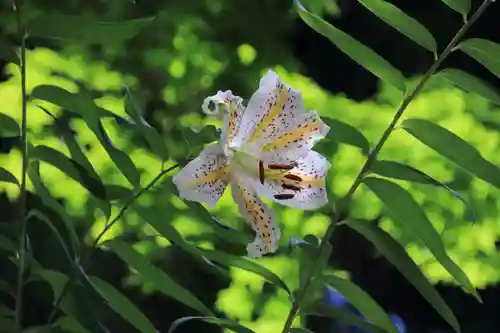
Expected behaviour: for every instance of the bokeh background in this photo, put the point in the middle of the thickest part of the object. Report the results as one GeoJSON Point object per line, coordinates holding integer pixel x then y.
{"type": "Point", "coordinates": [194, 48]}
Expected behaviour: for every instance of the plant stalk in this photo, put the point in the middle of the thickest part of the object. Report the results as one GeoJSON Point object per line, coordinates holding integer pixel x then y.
{"type": "Point", "coordinates": [336, 216]}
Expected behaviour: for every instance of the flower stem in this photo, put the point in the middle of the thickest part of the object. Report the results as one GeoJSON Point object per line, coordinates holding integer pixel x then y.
{"type": "Point", "coordinates": [86, 259]}
{"type": "Point", "coordinates": [22, 197]}
{"type": "Point", "coordinates": [338, 215]}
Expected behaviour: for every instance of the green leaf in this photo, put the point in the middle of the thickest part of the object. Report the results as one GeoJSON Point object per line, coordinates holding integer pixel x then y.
{"type": "Point", "coordinates": [342, 315]}
{"type": "Point", "coordinates": [7, 244]}
{"type": "Point", "coordinates": [156, 276]}
{"type": "Point", "coordinates": [8, 126]}
{"type": "Point", "coordinates": [453, 148]}
{"type": "Point", "coordinates": [402, 171]}
{"type": "Point", "coordinates": [397, 255]}
{"type": "Point", "coordinates": [70, 167]}
{"type": "Point", "coordinates": [361, 301]}
{"type": "Point", "coordinates": [300, 330]}
{"type": "Point", "coordinates": [118, 192]}
{"type": "Point", "coordinates": [460, 6]}
{"type": "Point", "coordinates": [234, 261]}
{"type": "Point", "coordinates": [123, 306]}
{"type": "Point", "coordinates": [470, 83]}
{"type": "Point", "coordinates": [354, 49]}
{"type": "Point", "coordinates": [7, 177]}
{"type": "Point", "coordinates": [85, 29]}
{"type": "Point", "coordinates": [225, 323]}
{"type": "Point", "coordinates": [483, 51]}
{"type": "Point", "coordinates": [406, 210]}
{"type": "Point", "coordinates": [7, 52]}
{"type": "Point", "coordinates": [402, 22]}
{"type": "Point", "coordinates": [56, 279]}
{"type": "Point", "coordinates": [70, 324]}
{"type": "Point", "coordinates": [149, 133]}
{"type": "Point", "coordinates": [48, 200]}
{"type": "Point", "coordinates": [345, 133]}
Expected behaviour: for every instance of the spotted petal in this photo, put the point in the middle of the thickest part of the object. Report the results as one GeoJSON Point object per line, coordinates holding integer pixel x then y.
{"type": "Point", "coordinates": [260, 217]}
{"type": "Point", "coordinates": [205, 178]}
{"type": "Point", "coordinates": [275, 122]}
{"type": "Point", "coordinates": [233, 109]}
{"type": "Point", "coordinates": [301, 187]}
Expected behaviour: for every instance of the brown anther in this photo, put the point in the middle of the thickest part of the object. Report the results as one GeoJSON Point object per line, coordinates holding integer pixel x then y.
{"type": "Point", "coordinates": [284, 196]}
{"type": "Point", "coordinates": [282, 166]}
{"type": "Point", "coordinates": [291, 187]}
{"type": "Point", "coordinates": [293, 177]}
{"type": "Point", "coordinates": [261, 172]}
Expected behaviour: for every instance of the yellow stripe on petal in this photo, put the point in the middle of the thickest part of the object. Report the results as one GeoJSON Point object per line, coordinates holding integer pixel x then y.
{"type": "Point", "coordinates": [272, 113]}
{"type": "Point", "coordinates": [304, 134]}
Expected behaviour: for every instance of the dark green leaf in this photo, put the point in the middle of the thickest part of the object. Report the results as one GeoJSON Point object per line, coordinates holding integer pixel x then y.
{"type": "Point", "coordinates": [460, 6]}
{"type": "Point", "coordinates": [48, 200]}
{"type": "Point", "coordinates": [406, 210]}
{"type": "Point", "coordinates": [484, 51]}
{"type": "Point", "coordinates": [225, 323]}
{"type": "Point", "coordinates": [156, 276]}
{"type": "Point", "coordinates": [7, 52]}
{"type": "Point", "coordinates": [340, 131]}
{"type": "Point", "coordinates": [300, 330]}
{"type": "Point", "coordinates": [7, 177]}
{"type": "Point", "coordinates": [470, 83]}
{"type": "Point", "coordinates": [7, 244]}
{"type": "Point", "coordinates": [397, 255]}
{"type": "Point", "coordinates": [361, 301]}
{"type": "Point", "coordinates": [70, 324]}
{"type": "Point", "coordinates": [354, 49]}
{"type": "Point", "coordinates": [123, 306]}
{"type": "Point", "coordinates": [234, 261]}
{"type": "Point", "coordinates": [453, 148]}
{"type": "Point", "coordinates": [84, 29]}
{"type": "Point", "coordinates": [402, 171]}
{"type": "Point", "coordinates": [402, 22]}
{"type": "Point", "coordinates": [117, 192]}
{"type": "Point", "coordinates": [56, 279]}
{"type": "Point", "coordinates": [8, 126]}
{"type": "Point", "coordinates": [70, 167]}
{"type": "Point", "coordinates": [342, 315]}
{"type": "Point", "coordinates": [149, 133]}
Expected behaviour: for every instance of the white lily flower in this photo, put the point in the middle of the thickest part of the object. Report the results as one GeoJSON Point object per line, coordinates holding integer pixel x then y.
{"type": "Point", "coordinates": [265, 149]}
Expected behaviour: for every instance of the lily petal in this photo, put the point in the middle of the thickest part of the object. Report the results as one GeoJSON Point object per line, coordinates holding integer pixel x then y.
{"type": "Point", "coordinates": [234, 109]}
{"type": "Point", "coordinates": [205, 178]}
{"type": "Point", "coordinates": [302, 187]}
{"type": "Point", "coordinates": [260, 217]}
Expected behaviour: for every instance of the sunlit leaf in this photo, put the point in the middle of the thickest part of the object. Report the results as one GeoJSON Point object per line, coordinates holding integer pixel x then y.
{"type": "Point", "coordinates": [235, 261]}
{"type": "Point", "coordinates": [225, 323]}
{"type": "Point", "coordinates": [402, 22]}
{"type": "Point", "coordinates": [470, 83]}
{"type": "Point", "coordinates": [70, 167]}
{"type": "Point", "coordinates": [161, 281]}
{"type": "Point", "coordinates": [7, 52]}
{"type": "Point", "coordinates": [460, 6]}
{"type": "Point", "coordinates": [413, 219]}
{"type": "Point", "coordinates": [344, 316]}
{"type": "Point", "coordinates": [7, 177]}
{"type": "Point", "coordinates": [8, 126]}
{"type": "Point", "coordinates": [402, 171]}
{"type": "Point", "coordinates": [484, 51]}
{"type": "Point", "coordinates": [84, 29]}
{"type": "Point", "coordinates": [397, 255]}
{"type": "Point", "coordinates": [361, 301]}
{"type": "Point", "coordinates": [123, 306]}
{"type": "Point", "coordinates": [345, 133]}
{"type": "Point", "coordinates": [453, 148]}
{"type": "Point", "coordinates": [354, 49]}
{"type": "Point", "coordinates": [149, 133]}
{"type": "Point", "coordinates": [48, 200]}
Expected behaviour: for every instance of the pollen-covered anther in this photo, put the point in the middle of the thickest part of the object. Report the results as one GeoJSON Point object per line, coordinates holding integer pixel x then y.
{"type": "Point", "coordinates": [291, 187]}
{"type": "Point", "coordinates": [293, 177]}
{"type": "Point", "coordinates": [284, 196]}
{"type": "Point", "coordinates": [282, 166]}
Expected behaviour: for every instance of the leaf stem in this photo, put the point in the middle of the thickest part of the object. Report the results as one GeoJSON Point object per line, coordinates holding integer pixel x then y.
{"type": "Point", "coordinates": [22, 197]}
{"type": "Point", "coordinates": [86, 259]}
{"type": "Point", "coordinates": [338, 215]}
